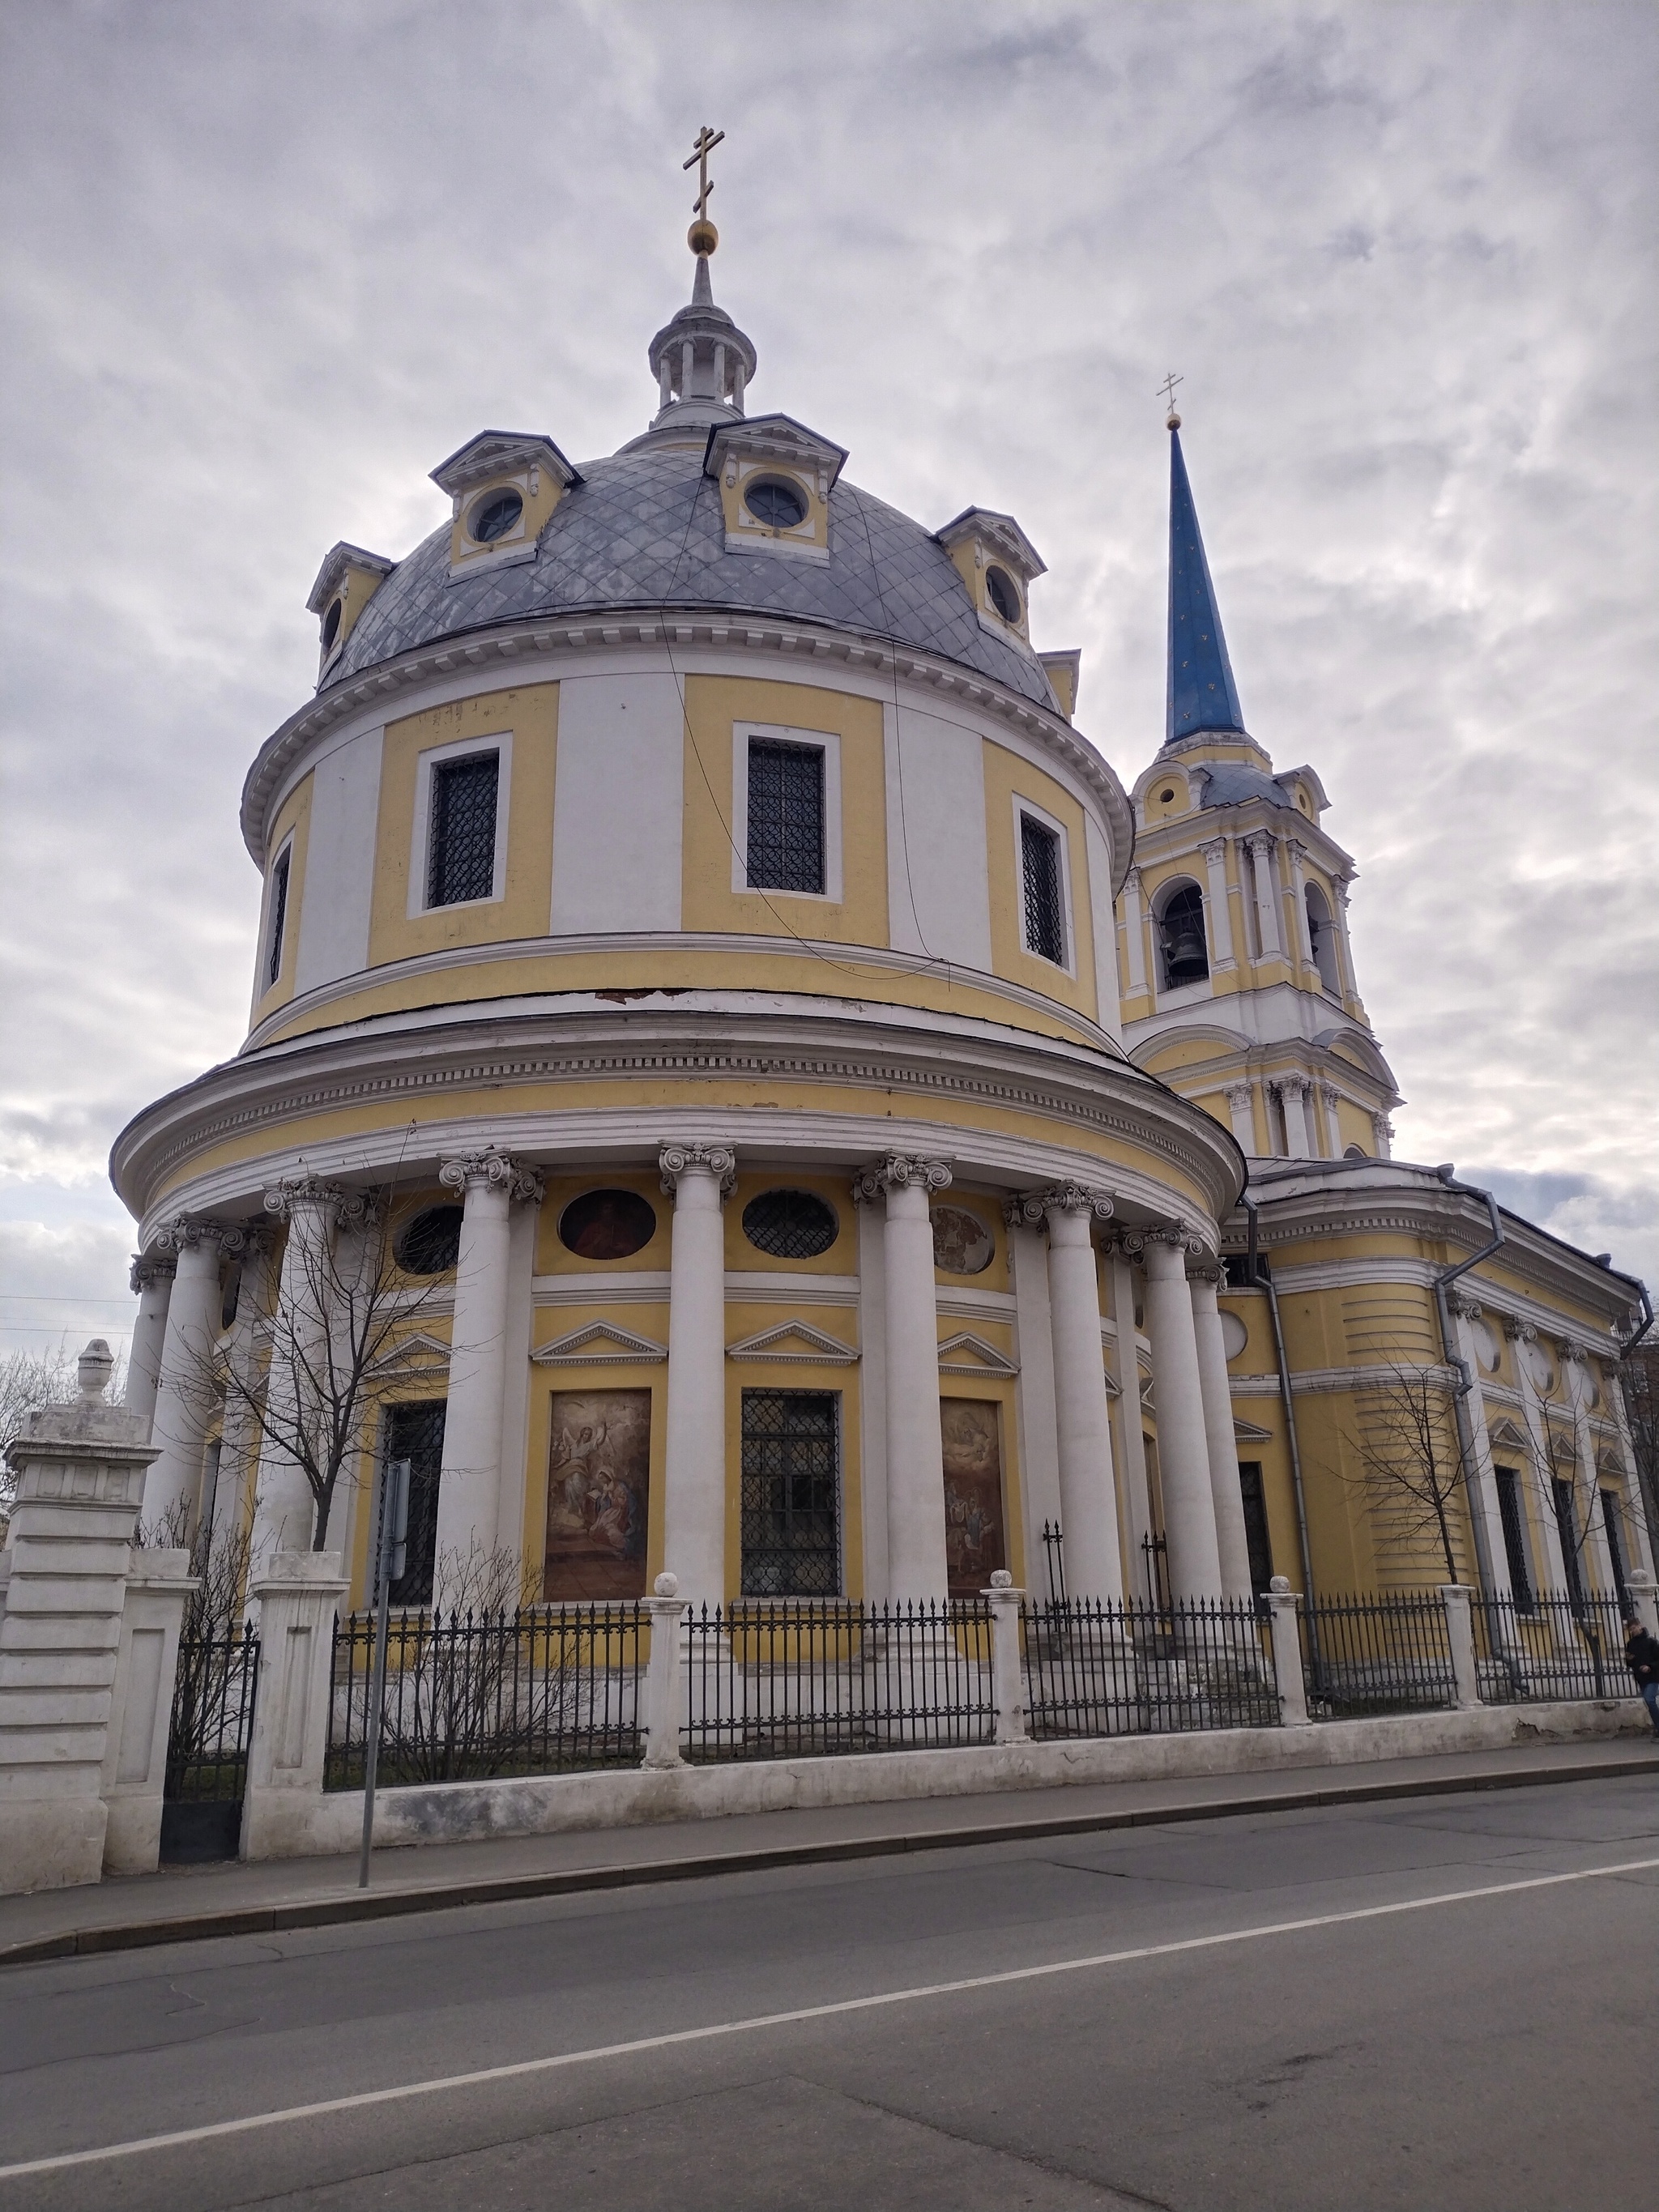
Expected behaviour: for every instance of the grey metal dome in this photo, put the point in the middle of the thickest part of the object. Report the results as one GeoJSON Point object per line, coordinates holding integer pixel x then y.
{"type": "Point", "coordinates": [643, 533]}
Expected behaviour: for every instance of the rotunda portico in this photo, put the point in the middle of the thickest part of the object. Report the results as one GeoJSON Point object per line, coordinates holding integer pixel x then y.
{"type": "Point", "coordinates": [689, 948]}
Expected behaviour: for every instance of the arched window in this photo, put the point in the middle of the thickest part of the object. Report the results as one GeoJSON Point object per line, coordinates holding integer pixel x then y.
{"type": "Point", "coordinates": [1182, 952]}
{"type": "Point", "coordinates": [1321, 932]}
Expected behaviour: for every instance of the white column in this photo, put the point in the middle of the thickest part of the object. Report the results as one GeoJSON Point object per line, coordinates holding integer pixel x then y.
{"type": "Point", "coordinates": [284, 1510]}
{"type": "Point", "coordinates": [187, 1396]}
{"type": "Point", "coordinates": [665, 377]}
{"type": "Point", "coordinates": [1299, 1138]}
{"type": "Point", "coordinates": [1344, 944]}
{"type": "Point", "coordinates": [1522, 1338]}
{"type": "Point", "coordinates": [1135, 934]}
{"type": "Point", "coordinates": [1130, 1436]}
{"type": "Point", "coordinates": [1243, 1118]}
{"type": "Point", "coordinates": [1303, 939]}
{"type": "Point", "coordinates": [152, 1284]}
{"type": "Point", "coordinates": [1221, 922]}
{"type": "Point", "coordinates": [1576, 1369]}
{"type": "Point", "coordinates": [1183, 1450]}
{"type": "Point", "coordinates": [736, 384]}
{"type": "Point", "coordinates": [915, 1452]}
{"type": "Point", "coordinates": [1328, 1098]}
{"type": "Point", "coordinates": [470, 1482]}
{"type": "Point", "coordinates": [1088, 1485]}
{"type": "Point", "coordinates": [873, 1397]}
{"type": "Point", "coordinates": [1483, 1489]}
{"type": "Point", "coordinates": [1039, 1439]}
{"type": "Point", "coordinates": [239, 1440]}
{"type": "Point", "coordinates": [1259, 848]}
{"type": "Point", "coordinates": [699, 1177]}
{"type": "Point", "coordinates": [1232, 1546]}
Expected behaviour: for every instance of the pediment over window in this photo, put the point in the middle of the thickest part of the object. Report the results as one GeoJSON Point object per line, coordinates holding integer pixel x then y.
{"type": "Point", "coordinates": [794, 1343]}
{"type": "Point", "coordinates": [411, 1355]}
{"type": "Point", "coordinates": [1508, 1438]}
{"type": "Point", "coordinates": [968, 1354]}
{"type": "Point", "coordinates": [600, 1344]}
{"type": "Point", "coordinates": [1246, 1432]}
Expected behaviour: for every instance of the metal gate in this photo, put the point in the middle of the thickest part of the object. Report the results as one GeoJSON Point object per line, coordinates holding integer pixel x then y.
{"type": "Point", "coordinates": [212, 1723]}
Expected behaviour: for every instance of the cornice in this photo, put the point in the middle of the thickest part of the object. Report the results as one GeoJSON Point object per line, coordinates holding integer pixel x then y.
{"type": "Point", "coordinates": [515, 647]}
{"type": "Point", "coordinates": [397, 1070]}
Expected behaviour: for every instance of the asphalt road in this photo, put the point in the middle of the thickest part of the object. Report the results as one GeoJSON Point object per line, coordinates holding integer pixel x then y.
{"type": "Point", "coordinates": [1492, 2049]}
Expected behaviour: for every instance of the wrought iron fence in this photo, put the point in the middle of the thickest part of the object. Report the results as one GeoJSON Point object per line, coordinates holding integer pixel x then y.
{"type": "Point", "coordinates": [1560, 1644]}
{"type": "Point", "coordinates": [1383, 1652]}
{"type": "Point", "coordinates": [208, 1732]}
{"type": "Point", "coordinates": [785, 1679]}
{"type": "Point", "coordinates": [541, 1690]}
{"type": "Point", "coordinates": [1096, 1669]}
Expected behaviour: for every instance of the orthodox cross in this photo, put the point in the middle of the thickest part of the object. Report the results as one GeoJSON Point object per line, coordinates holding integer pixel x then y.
{"type": "Point", "coordinates": [705, 142]}
{"type": "Point", "coordinates": [1166, 389]}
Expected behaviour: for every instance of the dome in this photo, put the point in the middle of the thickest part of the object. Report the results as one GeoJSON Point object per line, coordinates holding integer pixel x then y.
{"type": "Point", "coordinates": [643, 532]}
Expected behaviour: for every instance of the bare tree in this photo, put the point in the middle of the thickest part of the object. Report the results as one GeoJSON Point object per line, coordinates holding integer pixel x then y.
{"type": "Point", "coordinates": [1410, 1469]}
{"type": "Point", "coordinates": [1638, 1376]}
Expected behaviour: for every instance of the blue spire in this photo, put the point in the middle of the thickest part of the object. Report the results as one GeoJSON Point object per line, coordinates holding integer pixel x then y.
{"type": "Point", "coordinates": [1202, 693]}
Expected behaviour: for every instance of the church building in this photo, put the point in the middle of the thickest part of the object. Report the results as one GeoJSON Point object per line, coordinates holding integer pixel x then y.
{"type": "Point", "coordinates": [804, 1123]}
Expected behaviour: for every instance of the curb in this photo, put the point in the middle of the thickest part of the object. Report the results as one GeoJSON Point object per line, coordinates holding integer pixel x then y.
{"type": "Point", "coordinates": [337, 1910]}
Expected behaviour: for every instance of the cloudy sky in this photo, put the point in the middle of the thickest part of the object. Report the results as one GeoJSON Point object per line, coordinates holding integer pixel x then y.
{"type": "Point", "coordinates": [267, 261]}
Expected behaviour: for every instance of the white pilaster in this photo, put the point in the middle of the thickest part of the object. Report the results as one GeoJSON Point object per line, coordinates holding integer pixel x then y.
{"type": "Point", "coordinates": [1383, 1134]}
{"type": "Point", "coordinates": [152, 1284]}
{"type": "Point", "coordinates": [873, 1397]}
{"type": "Point", "coordinates": [159, 1585]}
{"type": "Point", "coordinates": [1221, 923]}
{"type": "Point", "coordinates": [1522, 1337]}
{"type": "Point", "coordinates": [1243, 1117]}
{"type": "Point", "coordinates": [187, 1397]}
{"type": "Point", "coordinates": [1328, 1098]}
{"type": "Point", "coordinates": [1344, 944]}
{"type": "Point", "coordinates": [1259, 848]}
{"type": "Point", "coordinates": [1183, 1450]}
{"type": "Point", "coordinates": [1483, 1502]}
{"type": "Point", "coordinates": [1039, 1441]}
{"type": "Point", "coordinates": [915, 1453]}
{"type": "Point", "coordinates": [1299, 1138]}
{"type": "Point", "coordinates": [470, 1483]}
{"type": "Point", "coordinates": [1233, 1547]}
{"type": "Point", "coordinates": [699, 1177]}
{"type": "Point", "coordinates": [1576, 1369]}
{"type": "Point", "coordinates": [1135, 934]}
{"type": "Point", "coordinates": [1088, 1486]}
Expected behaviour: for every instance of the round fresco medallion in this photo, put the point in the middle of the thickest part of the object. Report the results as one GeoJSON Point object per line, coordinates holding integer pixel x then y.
{"type": "Point", "coordinates": [1234, 1334]}
{"type": "Point", "coordinates": [963, 1244]}
{"type": "Point", "coordinates": [607, 1224]}
{"type": "Point", "coordinates": [1487, 1349]}
{"type": "Point", "coordinates": [1540, 1367]}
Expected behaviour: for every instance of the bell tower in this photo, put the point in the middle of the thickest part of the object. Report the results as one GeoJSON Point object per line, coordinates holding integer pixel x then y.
{"type": "Point", "coordinates": [1234, 957]}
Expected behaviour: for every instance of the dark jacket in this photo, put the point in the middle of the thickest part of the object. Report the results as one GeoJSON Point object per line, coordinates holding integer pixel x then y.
{"type": "Point", "coordinates": [1642, 1657]}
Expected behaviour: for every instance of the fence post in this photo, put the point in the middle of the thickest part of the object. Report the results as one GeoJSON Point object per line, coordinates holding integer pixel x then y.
{"type": "Point", "coordinates": [1282, 1603]}
{"type": "Point", "coordinates": [136, 1749]}
{"type": "Point", "coordinates": [80, 1481]}
{"type": "Point", "coordinates": [1460, 1635]}
{"type": "Point", "coordinates": [1644, 1596]}
{"type": "Point", "coordinates": [662, 1686]}
{"type": "Point", "coordinates": [1007, 1690]}
{"type": "Point", "coordinates": [298, 1593]}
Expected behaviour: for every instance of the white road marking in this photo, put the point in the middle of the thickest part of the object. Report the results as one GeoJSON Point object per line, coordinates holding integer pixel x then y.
{"type": "Point", "coordinates": [524, 2066]}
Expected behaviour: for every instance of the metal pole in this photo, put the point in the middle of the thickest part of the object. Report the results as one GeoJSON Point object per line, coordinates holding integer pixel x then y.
{"type": "Point", "coordinates": [390, 1524]}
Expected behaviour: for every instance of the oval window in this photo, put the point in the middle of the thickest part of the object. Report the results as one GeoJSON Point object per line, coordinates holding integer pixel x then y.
{"type": "Point", "coordinates": [1003, 593]}
{"type": "Point", "coordinates": [777, 504]}
{"type": "Point", "coordinates": [607, 1224]}
{"type": "Point", "coordinates": [332, 624]}
{"type": "Point", "coordinates": [790, 1224]}
{"type": "Point", "coordinates": [431, 1243]}
{"type": "Point", "coordinates": [963, 1244]}
{"type": "Point", "coordinates": [494, 516]}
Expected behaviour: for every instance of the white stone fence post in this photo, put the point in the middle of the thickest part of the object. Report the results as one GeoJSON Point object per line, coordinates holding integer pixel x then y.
{"type": "Point", "coordinates": [663, 1692]}
{"type": "Point", "coordinates": [1460, 1635]}
{"type": "Point", "coordinates": [1644, 1596]}
{"type": "Point", "coordinates": [80, 1481]}
{"type": "Point", "coordinates": [1007, 1680]}
{"type": "Point", "coordinates": [159, 1585]}
{"type": "Point", "coordinates": [298, 1594]}
{"type": "Point", "coordinates": [1282, 1604]}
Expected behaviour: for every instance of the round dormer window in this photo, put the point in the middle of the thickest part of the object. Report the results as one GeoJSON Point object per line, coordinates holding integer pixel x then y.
{"type": "Point", "coordinates": [1003, 594]}
{"type": "Point", "coordinates": [494, 516]}
{"type": "Point", "coordinates": [777, 504]}
{"type": "Point", "coordinates": [332, 624]}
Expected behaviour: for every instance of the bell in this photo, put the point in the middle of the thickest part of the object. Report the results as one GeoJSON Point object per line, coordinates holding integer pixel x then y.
{"type": "Point", "coordinates": [1185, 959]}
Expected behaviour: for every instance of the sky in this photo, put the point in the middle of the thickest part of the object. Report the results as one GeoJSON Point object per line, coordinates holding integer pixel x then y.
{"type": "Point", "coordinates": [264, 265]}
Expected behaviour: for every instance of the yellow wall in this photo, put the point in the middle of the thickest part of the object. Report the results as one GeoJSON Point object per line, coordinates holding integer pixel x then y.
{"type": "Point", "coordinates": [1008, 776]}
{"type": "Point", "coordinates": [293, 815]}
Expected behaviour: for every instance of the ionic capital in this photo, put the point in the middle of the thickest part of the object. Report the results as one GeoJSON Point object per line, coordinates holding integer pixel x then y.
{"type": "Point", "coordinates": [182, 1236]}
{"type": "Point", "coordinates": [1031, 1208]}
{"type": "Point", "coordinates": [1465, 1308]}
{"type": "Point", "coordinates": [1215, 850]}
{"type": "Point", "coordinates": [1133, 1243]}
{"type": "Point", "coordinates": [898, 1172]}
{"type": "Point", "coordinates": [148, 1268]}
{"type": "Point", "coordinates": [718, 1160]}
{"type": "Point", "coordinates": [299, 1193]}
{"type": "Point", "coordinates": [490, 1169]}
{"type": "Point", "coordinates": [1519, 1331]}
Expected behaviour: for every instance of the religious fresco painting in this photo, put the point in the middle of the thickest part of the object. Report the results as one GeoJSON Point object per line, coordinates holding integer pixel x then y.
{"type": "Point", "coordinates": [598, 1487]}
{"type": "Point", "coordinates": [963, 1243]}
{"type": "Point", "coordinates": [975, 1546]}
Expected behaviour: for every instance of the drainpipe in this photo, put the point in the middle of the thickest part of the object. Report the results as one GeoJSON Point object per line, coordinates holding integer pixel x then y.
{"type": "Point", "coordinates": [1631, 1342]}
{"type": "Point", "coordinates": [1454, 1359]}
{"type": "Point", "coordinates": [1262, 1282]}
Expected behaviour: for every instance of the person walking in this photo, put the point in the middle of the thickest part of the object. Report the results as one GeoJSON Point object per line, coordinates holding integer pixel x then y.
{"type": "Point", "coordinates": [1642, 1657]}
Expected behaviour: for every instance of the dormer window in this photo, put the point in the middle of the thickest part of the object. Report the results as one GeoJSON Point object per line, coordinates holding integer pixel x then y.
{"type": "Point", "coordinates": [331, 624]}
{"type": "Point", "coordinates": [1003, 594]}
{"type": "Point", "coordinates": [345, 583]}
{"type": "Point", "coordinates": [496, 513]}
{"type": "Point", "coordinates": [503, 486]}
{"type": "Point", "coordinates": [997, 563]}
{"type": "Point", "coordinates": [774, 478]}
{"type": "Point", "coordinates": [778, 505]}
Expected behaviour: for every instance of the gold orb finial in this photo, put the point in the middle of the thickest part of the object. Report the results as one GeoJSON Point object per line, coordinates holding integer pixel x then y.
{"type": "Point", "coordinates": [703, 237]}
{"type": "Point", "coordinates": [1172, 421]}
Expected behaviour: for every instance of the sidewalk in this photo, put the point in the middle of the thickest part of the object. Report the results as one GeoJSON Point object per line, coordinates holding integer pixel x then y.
{"type": "Point", "coordinates": [187, 1904]}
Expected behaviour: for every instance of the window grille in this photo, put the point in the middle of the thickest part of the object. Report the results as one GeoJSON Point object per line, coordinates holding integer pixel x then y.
{"type": "Point", "coordinates": [786, 816]}
{"type": "Point", "coordinates": [1566, 1520]}
{"type": "Point", "coordinates": [1611, 1521]}
{"type": "Point", "coordinates": [461, 863]}
{"type": "Point", "coordinates": [416, 1432]}
{"type": "Point", "coordinates": [1511, 1514]}
{"type": "Point", "coordinates": [1258, 1540]}
{"type": "Point", "coordinates": [1045, 924]}
{"type": "Point", "coordinates": [278, 918]}
{"type": "Point", "coordinates": [791, 1494]}
{"type": "Point", "coordinates": [790, 1224]}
